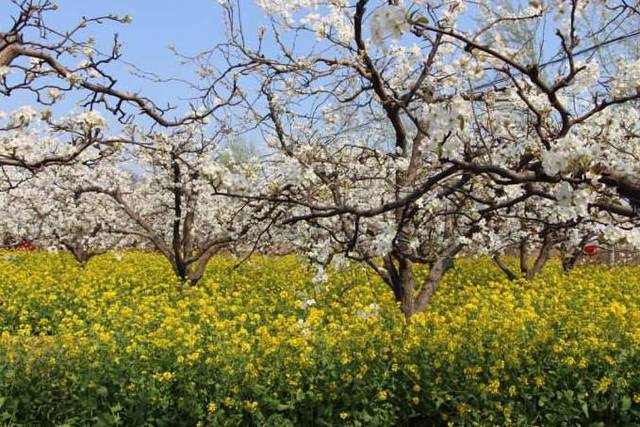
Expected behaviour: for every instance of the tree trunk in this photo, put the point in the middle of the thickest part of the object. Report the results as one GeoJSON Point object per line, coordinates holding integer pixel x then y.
{"type": "Point", "coordinates": [438, 269]}
{"type": "Point", "coordinates": [400, 280]}
{"type": "Point", "coordinates": [195, 274]}
{"type": "Point", "coordinates": [407, 284]}
{"type": "Point", "coordinates": [612, 256]}
{"type": "Point", "coordinates": [81, 256]}
{"type": "Point", "coordinates": [180, 269]}
{"type": "Point", "coordinates": [541, 260]}
{"type": "Point", "coordinates": [570, 261]}
{"type": "Point", "coordinates": [505, 269]}
{"type": "Point", "coordinates": [524, 257]}
{"type": "Point", "coordinates": [399, 275]}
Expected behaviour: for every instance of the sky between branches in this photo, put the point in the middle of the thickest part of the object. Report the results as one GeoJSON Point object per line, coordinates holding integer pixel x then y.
{"type": "Point", "coordinates": [191, 26]}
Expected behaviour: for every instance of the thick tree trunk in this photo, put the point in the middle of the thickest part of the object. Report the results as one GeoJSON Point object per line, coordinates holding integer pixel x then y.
{"type": "Point", "coordinates": [612, 256]}
{"type": "Point", "coordinates": [524, 257]}
{"type": "Point", "coordinates": [189, 271]}
{"type": "Point", "coordinates": [81, 256]}
{"type": "Point", "coordinates": [438, 269]}
{"type": "Point", "coordinates": [197, 271]}
{"type": "Point", "coordinates": [399, 275]}
{"type": "Point", "coordinates": [531, 271]}
{"type": "Point", "coordinates": [180, 269]}
{"type": "Point", "coordinates": [407, 284]}
{"type": "Point", "coordinates": [570, 261]}
{"type": "Point", "coordinates": [79, 252]}
{"type": "Point", "coordinates": [541, 260]}
{"type": "Point", "coordinates": [504, 268]}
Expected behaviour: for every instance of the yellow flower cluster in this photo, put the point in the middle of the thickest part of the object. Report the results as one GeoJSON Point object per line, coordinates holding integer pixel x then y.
{"type": "Point", "coordinates": [123, 342]}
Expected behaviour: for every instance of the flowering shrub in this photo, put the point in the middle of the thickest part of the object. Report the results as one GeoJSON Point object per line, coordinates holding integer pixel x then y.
{"type": "Point", "coordinates": [122, 343]}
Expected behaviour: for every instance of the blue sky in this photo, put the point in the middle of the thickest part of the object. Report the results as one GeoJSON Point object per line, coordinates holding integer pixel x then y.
{"type": "Point", "coordinates": [190, 25]}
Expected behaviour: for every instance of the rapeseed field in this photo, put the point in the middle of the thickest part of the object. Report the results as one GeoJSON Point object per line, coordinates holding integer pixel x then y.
{"type": "Point", "coordinates": [121, 342]}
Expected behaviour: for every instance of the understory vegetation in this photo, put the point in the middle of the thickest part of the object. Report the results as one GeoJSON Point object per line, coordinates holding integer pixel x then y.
{"type": "Point", "coordinates": [122, 342]}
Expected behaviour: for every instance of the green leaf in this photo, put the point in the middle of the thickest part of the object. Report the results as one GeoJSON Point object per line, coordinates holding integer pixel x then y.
{"type": "Point", "coordinates": [102, 391]}
{"type": "Point", "coordinates": [626, 404]}
{"type": "Point", "coordinates": [585, 409]}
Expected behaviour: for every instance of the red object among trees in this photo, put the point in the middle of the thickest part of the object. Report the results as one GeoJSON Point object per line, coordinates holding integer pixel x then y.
{"type": "Point", "coordinates": [591, 249]}
{"type": "Point", "coordinates": [25, 246]}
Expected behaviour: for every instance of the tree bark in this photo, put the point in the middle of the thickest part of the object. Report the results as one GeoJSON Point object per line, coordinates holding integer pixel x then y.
{"type": "Point", "coordinates": [505, 269]}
